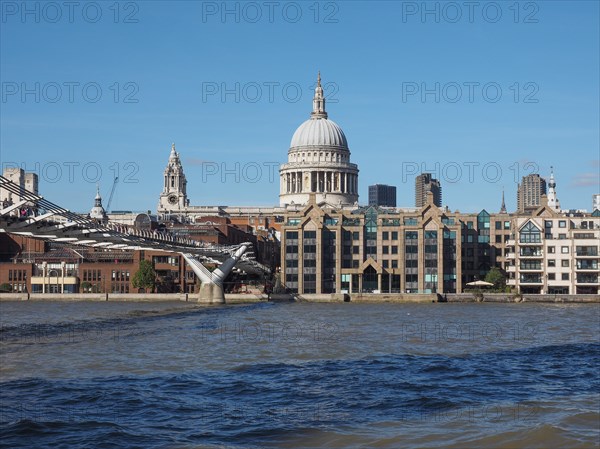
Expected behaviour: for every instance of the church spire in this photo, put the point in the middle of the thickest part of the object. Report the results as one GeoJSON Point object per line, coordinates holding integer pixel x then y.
{"type": "Point", "coordinates": [98, 198]}
{"type": "Point", "coordinates": [552, 198]}
{"type": "Point", "coordinates": [503, 207]}
{"type": "Point", "coordinates": [319, 101]}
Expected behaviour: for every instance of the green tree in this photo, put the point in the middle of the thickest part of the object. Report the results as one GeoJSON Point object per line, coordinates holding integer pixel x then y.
{"type": "Point", "coordinates": [145, 277]}
{"type": "Point", "coordinates": [86, 286]}
{"type": "Point", "coordinates": [497, 277]}
{"type": "Point", "coordinates": [5, 287]}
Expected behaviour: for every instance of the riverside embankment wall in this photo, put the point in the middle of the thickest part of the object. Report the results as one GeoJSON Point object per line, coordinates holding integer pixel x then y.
{"type": "Point", "coordinates": [333, 297]}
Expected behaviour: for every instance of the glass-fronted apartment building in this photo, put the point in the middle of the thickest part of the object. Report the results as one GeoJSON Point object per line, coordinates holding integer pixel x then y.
{"type": "Point", "coordinates": [430, 249]}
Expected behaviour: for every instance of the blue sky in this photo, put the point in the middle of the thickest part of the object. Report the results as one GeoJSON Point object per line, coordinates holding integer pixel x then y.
{"type": "Point", "coordinates": [479, 97]}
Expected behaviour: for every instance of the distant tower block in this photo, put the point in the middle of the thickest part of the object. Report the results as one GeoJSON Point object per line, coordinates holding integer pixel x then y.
{"type": "Point", "coordinates": [529, 193]}
{"type": "Point", "coordinates": [425, 183]}
{"type": "Point", "coordinates": [382, 195]}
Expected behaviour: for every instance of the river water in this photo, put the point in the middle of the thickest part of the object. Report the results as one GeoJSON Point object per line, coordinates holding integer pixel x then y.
{"type": "Point", "coordinates": [297, 375]}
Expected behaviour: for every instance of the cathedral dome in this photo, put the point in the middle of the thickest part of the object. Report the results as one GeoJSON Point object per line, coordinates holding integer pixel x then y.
{"type": "Point", "coordinates": [318, 162]}
{"type": "Point", "coordinates": [319, 132]}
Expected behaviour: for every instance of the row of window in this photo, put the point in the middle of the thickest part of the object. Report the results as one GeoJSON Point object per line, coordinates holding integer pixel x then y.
{"type": "Point", "coordinates": [410, 235]}
{"type": "Point", "coordinates": [552, 263]}
{"type": "Point", "coordinates": [529, 251]}
{"type": "Point", "coordinates": [119, 287]}
{"type": "Point", "coordinates": [174, 261]}
{"type": "Point", "coordinates": [92, 275]}
{"type": "Point", "coordinates": [548, 236]}
{"type": "Point", "coordinates": [552, 276]}
{"type": "Point", "coordinates": [561, 223]}
{"type": "Point", "coordinates": [563, 250]}
{"type": "Point", "coordinates": [120, 276]}
{"type": "Point", "coordinates": [590, 278]}
{"type": "Point", "coordinates": [18, 287]}
{"type": "Point", "coordinates": [17, 275]}
{"type": "Point", "coordinates": [317, 157]}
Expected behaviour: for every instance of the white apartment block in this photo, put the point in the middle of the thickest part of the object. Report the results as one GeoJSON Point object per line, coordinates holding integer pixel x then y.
{"type": "Point", "coordinates": [554, 253]}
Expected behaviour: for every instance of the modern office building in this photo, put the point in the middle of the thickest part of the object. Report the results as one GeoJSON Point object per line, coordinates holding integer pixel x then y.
{"type": "Point", "coordinates": [595, 202]}
{"type": "Point", "coordinates": [381, 250]}
{"type": "Point", "coordinates": [425, 183]}
{"type": "Point", "coordinates": [529, 193]}
{"type": "Point", "coordinates": [382, 195]}
{"type": "Point", "coordinates": [431, 249]}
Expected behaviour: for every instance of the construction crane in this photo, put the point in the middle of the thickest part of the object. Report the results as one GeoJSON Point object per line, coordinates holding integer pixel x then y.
{"type": "Point", "coordinates": [112, 192]}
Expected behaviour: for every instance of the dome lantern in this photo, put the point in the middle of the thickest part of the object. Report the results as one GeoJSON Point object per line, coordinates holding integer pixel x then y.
{"type": "Point", "coordinates": [318, 101]}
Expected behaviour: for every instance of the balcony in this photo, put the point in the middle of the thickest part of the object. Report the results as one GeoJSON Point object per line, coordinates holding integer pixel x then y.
{"type": "Point", "coordinates": [510, 256]}
{"type": "Point", "coordinates": [511, 282]}
{"type": "Point", "coordinates": [510, 242]}
{"type": "Point", "coordinates": [511, 269]}
{"type": "Point", "coordinates": [527, 254]}
{"type": "Point", "coordinates": [587, 279]}
{"type": "Point", "coordinates": [530, 243]}
{"type": "Point", "coordinates": [587, 264]}
{"type": "Point", "coordinates": [584, 226]}
{"type": "Point", "coordinates": [531, 279]}
{"type": "Point", "coordinates": [586, 254]}
{"type": "Point", "coordinates": [584, 236]}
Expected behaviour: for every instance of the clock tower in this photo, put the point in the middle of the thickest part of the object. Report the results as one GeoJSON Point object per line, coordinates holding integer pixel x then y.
{"type": "Point", "coordinates": [173, 198]}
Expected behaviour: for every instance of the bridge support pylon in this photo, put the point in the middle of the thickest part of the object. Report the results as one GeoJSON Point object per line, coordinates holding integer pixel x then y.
{"type": "Point", "coordinates": [211, 288]}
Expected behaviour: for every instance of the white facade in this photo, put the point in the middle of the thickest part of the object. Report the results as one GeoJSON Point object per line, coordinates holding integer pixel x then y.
{"type": "Point", "coordinates": [553, 202]}
{"type": "Point", "coordinates": [173, 198]}
{"type": "Point", "coordinates": [555, 253]}
{"type": "Point", "coordinates": [25, 180]}
{"type": "Point", "coordinates": [318, 162]}
{"type": "Point", "coordinates": [98, 212]}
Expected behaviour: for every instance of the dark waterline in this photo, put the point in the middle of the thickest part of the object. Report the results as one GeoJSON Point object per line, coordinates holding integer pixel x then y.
{"type": "Point", "coordinates": [299, 375]}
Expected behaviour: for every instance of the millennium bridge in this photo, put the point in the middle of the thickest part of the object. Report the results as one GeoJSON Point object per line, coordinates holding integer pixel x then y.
{"type": "Point", "coordinates": [51, 222]}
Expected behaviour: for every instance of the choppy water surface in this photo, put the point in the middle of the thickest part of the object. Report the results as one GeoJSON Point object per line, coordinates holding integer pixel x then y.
{"type": "Point", "coordinates": [176, 375]}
